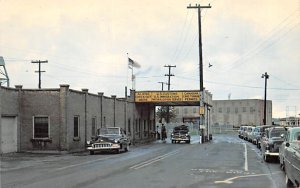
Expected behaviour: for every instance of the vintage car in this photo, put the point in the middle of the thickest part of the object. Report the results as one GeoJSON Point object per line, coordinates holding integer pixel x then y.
{"type": "Point", "coordinates": [240, 131]}
{"type": "Point", "coordinates": [248, 133]}
{"type": "Point", "coordinates": [261, 133]}
{"type": "Point", "coordinates": [255, 133]}
{"type": "Point", "coordinates": [109, 139]}
{"type": "Point", "coordinates": [271, 141]}
{"type": "Point", "coordinates": [289, 156]}
{"type": "Point", "coordinates": [180, 133]}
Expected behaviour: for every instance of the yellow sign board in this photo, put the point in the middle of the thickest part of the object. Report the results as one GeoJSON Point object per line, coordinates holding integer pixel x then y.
{"type": "Point", "coordinates": [201, 110]}
{"type": "Point", "coordinates": [167, 96]}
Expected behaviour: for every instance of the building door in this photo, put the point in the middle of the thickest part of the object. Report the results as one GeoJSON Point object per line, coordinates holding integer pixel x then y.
{"type": "Point", "coordinates": [9, 134]}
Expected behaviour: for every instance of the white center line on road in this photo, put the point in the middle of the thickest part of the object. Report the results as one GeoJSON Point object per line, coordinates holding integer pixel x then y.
{"type": "Point", "coordinates": [156, 159]}
{"type": "Point", "coordinates": [246, 157]}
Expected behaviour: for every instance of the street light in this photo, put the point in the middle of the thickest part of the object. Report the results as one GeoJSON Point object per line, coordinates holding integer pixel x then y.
{"type": "Point", "coordinates": [266, 76]}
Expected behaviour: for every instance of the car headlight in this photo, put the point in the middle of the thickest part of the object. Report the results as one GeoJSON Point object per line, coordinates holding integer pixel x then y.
{"type": "Point", "coordinates": [115, 141]}
{"type": "Point", "coordinates": [88, 142]}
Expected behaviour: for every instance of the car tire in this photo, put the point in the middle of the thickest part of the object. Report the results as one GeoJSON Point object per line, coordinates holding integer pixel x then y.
{"type": "Point", "coordinates": [127, 148]}
{"type": "Point", "coordinates": [288, 182]}
{"type": "Point", "coordinates": [266, 158]}
{"type": "Point", "coordinates": [92, 152]}
{"type": "Point", "coordinates": [282, 167]}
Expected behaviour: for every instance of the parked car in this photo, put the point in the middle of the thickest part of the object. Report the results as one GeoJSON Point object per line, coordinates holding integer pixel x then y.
{"type": "Point", "coordinates": [244, 132]}
{"type": "Point", "coordinates": [261, 132]}
{"type": "Point", "coordinates": [255, 133]}
{"type": "Point", "coordinates": [240, 131]}
{"type": "Point", "coordinates": [290, 156]}
{"type": "Point", "coordinates": [249, 133]}
{"type": "Point", "coordinates": [180, 133]}
{"type": "Point", "coordinates": [109, 139]}
{"type": "Point", "coordinates": [271, 141]}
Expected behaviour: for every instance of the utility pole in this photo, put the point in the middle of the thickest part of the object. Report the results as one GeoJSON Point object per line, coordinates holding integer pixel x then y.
{"type": "Point", "coordinates": [266, 76]}
{"type": "Point", "coordinates": [169, 83]}
{"type": "Point", "coordinates": [39, 71]}
{"type": "Point", "coordinates": [169, 75]}
{"type": "Point", "coordinates": [161, 110]}
{"type": "Point", "coordinates": [201, 109]}
{"type": "Point", "coordinates": [162, 85]}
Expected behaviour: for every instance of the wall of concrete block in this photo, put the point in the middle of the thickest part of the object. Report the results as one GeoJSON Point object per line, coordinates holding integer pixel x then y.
{"type": "Point", "coordinates": [240, 112]}
{"type": "Point", "coordinates": [39, 103]}
{"type": "Point", "coordinates": [61, 106]}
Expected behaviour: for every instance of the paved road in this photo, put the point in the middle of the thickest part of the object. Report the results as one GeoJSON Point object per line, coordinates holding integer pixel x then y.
{"type": "Point", "coordinates": [227, 161]}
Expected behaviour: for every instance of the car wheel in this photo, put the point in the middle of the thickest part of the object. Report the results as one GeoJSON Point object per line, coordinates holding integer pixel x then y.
{"type": "Point", "coordinates": [288, 182]}
{"type": "Point", "coordinates": [266, 158]}
{"type": "Point", "coordinates": [92, 152]}
{"type": "Point", "coordinates": [282, 167]}
{"type": "Point", "coordinates": [127, 148]}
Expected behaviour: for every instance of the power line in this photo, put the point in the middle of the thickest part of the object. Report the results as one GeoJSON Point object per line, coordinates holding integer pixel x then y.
{"type": "Point", "coordinates": [243, 86]}
{"type": "Point", "coordinates": [274, 33]}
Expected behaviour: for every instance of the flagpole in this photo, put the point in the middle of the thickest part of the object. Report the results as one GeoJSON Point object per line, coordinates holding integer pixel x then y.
{"type": "Point", "coordinates": [127, 71]}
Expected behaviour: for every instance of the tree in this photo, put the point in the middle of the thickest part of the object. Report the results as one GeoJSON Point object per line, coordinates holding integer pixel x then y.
{"type": "Point", "coordinates": [161, 113]}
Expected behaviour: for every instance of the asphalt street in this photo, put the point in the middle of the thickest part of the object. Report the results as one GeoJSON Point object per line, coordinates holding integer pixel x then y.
{"type": "Point", "coordinates": [226, 161]}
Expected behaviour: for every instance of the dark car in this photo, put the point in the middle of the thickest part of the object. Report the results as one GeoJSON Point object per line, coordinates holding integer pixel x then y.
{"type": "Point", "coordinates": [260, 134]}
{"type": "Point", "coordinates": [109, 139]}
{"type": "Point", "coordinates": [271, 141]}
{"type": "Point", "coordinates": [180, 133]}
{"type": "Point", "coordinates": [290, 157]}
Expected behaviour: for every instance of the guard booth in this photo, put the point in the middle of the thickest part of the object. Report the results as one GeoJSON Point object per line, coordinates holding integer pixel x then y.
{"type": "Point", "coordinates": [180, 98]}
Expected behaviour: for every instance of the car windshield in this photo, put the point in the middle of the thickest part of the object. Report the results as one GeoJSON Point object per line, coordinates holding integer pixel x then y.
{"type": "Point", "coordinates": [180, 131]}
{"type": "Point", "coordinates": [104, 131]}
{"type": "Point", "coordinates": [277, 133]}
{"type": "Point", "coordinates": [297, 136]}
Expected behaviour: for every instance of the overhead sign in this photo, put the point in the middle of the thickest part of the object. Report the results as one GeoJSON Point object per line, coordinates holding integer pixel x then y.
{"type": "Point", "coordinates": [167, 96]}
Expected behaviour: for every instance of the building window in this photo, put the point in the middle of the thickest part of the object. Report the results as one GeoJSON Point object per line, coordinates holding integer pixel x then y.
{"type": "Point", "coordinates": [185, 110]}
{"type": "Point", "coordinates": [244, 109]}
{"type": "Point", "coordinates": [93, 126]}
{"type": "Point", "coordinates": [41, 127]}
{"type": "Point", "coordinates": [76, 126]}
{"type": "Point", "coordinates": [129, 126]}
{"type": "Point", "coordinates": [236, 109]}
{"type": "Point", "coordinates": [177, 111]}
{"type": "Point", "coordinates": [104, 121]}
{"type": "Point", "coordinates": [228, 109]}
{"type": "Point", "coordinates": [220, 110]}
{"type": "Point", "coordinates": [194, 110]}
{"type": "Point", "coordinates": [136, 125]}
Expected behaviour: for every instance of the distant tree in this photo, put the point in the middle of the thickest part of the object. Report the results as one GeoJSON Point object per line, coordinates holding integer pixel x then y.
{"type": "Point", "coordinates": [161, 113]}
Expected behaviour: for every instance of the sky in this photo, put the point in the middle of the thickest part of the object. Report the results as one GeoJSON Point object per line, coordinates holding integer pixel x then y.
{"type": "Point", "coordinates": [87, 44]}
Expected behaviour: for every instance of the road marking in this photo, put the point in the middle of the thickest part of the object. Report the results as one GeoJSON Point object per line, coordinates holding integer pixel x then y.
{"type": "Point", "coordinates": [84, 163]}
{"type": "Point", "coordinates": [230, 180]}
{"type": "Point", "coordinates": [246, 157]}
{"type": "Point", "coordinates": [151, 161]}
